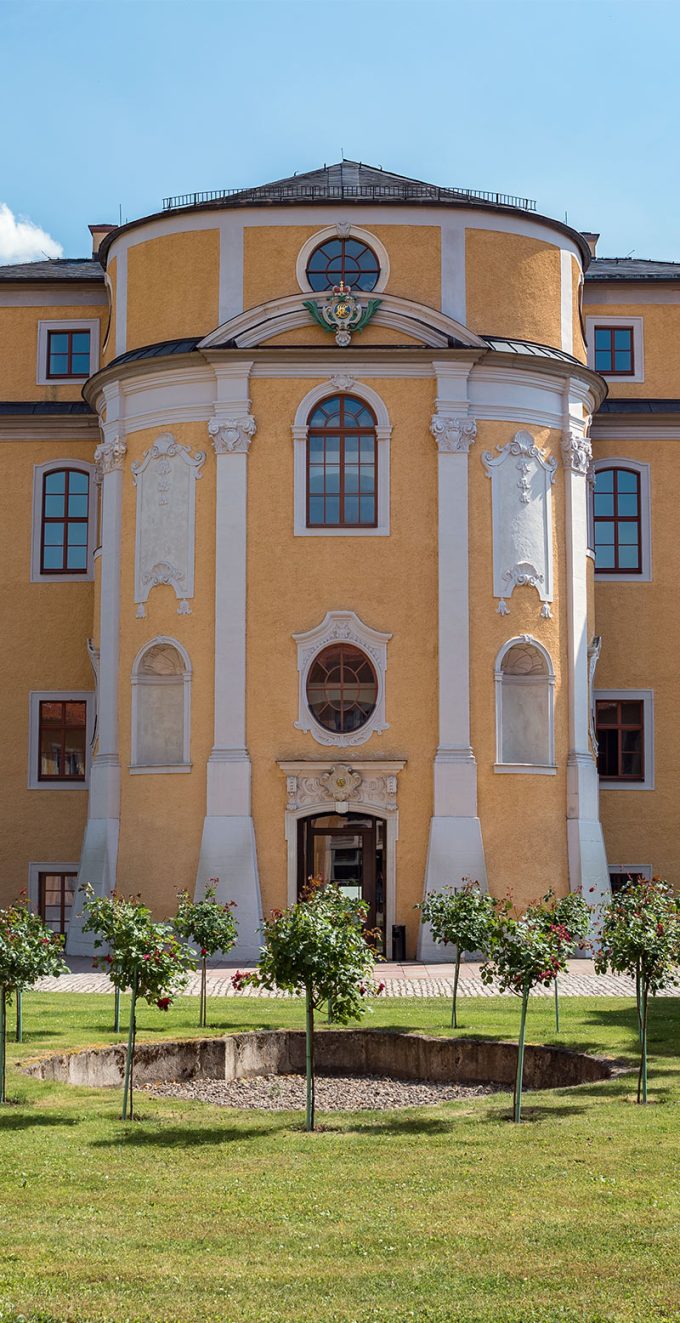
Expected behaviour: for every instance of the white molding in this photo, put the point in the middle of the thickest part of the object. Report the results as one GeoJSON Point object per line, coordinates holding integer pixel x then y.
{"type": "Point", "coordinates": [621, 461]}
{"type": "Point", "coordinates": [548, 681]}
{"type": "Point", "coordinates": [341, 383]}
{"type": "Point", "coordinates": [566, 301]}
{"type": "Point", "coordinates": [35, 698]}
{"type": "Point", "coordinates": [345, 230]}
{"type": "Point", "coordinates": [91, 324]}
{"type": "Point", "coordinates": [85, 295]}
{"type": "Point", "coordinates": [637, 324]}
{"type": "Point", "coordinates": [34, 871]}
{"type": "Point", "coordinates": [157, 559]}
{"type": "Point", "coordinates": [646, 697]}
{"type": "Point", "coordinates": [611, 428]}
{"type": "Point", "coordinates": [635, 870]}
{"type": "Point", "coordinates": [627, 293]}
{"type": "Point", "coordinates": [137, 679]}
{"type": "Point", "coordinates": [521, 512]}
{"type": "Point", "coordinates": [341, 627]}
{"type": "Point", "coordinates": [39, 471]}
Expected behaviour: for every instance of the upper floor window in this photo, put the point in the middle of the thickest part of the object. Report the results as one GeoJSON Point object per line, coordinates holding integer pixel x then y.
{"type": "Point", "coordinates": [342, 688]}
{"type": "Point", "coordinates": [68, 353]}
{"type": "Point", "coordinates": [614, 353]}
{"type": "Point", "coordinates": [348, 260]}
{"type": "Point", "coordinates": [62, 740]}
{"type": "Point", "coordinates": [617, 521]}
{"type": "Point", "coordinates": [342, 465]}
{"type": "Point", "coordinates": [620, 728]}
{"type": "Point", "coordinates": [65, 522]}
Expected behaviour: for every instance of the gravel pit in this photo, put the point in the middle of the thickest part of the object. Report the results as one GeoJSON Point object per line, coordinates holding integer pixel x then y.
{"type": "Point", "coordinates": [337, 1093]}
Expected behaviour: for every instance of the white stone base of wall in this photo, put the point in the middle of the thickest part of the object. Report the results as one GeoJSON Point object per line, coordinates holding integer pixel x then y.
{"type": "Point", "coordinates": [228, 855]}
{"type": "Point", "coordinates": [455, 854]}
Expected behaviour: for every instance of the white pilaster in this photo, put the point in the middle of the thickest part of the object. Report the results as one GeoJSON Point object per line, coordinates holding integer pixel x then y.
{"type": "Point", "coordinates": [455, 849]}
{"type": "Point", "coordinates": [100, 843]}
{"type": "Point", "coordinates": [228, 851]}
{"type": "Point", "coordinates": [585, 840]}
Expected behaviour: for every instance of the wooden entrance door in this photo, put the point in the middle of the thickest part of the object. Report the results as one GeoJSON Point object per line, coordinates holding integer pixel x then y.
{"type": "Point", "coordinates": [349, 852]}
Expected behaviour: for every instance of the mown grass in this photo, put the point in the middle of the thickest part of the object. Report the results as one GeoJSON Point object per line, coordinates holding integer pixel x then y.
{"type": "Point", "coordinates": [439, 1215]}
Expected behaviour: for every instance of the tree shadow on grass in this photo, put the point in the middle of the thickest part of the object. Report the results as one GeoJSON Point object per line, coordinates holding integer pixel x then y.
{"type": "Point", "coordinates": [14, 1118]}
{"type": "Point", "coordinates": [179, 1136]}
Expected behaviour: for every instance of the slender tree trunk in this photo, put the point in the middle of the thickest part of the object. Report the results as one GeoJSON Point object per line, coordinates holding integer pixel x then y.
{"type": "Point", "coordinates": [330, 1011]}
{"type": "Point", "coordinates": [20, 1016]}
{"type": "Point", "coordinates": [116, 1011]}
{"type": "Point", "coordinates": [642, 1076]}
{"type": "Point", "coordinates": [520, 1056]}
{"type": "Point", "coordinates": [456, 972]}
{"type": "Point", "coordinates": [557, 1008]}
{"type": "Point", "coordinates": [309, 1057]}
{"type": "Point", "coordinates": [132, 1031]}
{"type": "Point", "coordinates": [203, 1013]}
{"type": "Point", "coordinates": [3, 1042]}
{"type": "Point", "coordinates": [638, 999]}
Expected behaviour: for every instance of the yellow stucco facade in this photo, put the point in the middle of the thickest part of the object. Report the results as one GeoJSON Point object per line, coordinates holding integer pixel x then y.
{"type": "Point", "coordinates": [213, 594]}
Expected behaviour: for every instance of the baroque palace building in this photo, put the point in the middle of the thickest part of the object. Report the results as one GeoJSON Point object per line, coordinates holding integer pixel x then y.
{"type": "Point", "coordinates": [340, 526]}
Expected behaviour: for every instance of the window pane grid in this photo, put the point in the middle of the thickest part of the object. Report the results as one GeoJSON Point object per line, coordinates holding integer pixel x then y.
{"type": "Point", "coordinates": [68, 353]}
{"type": "Point", "coordinates": [342, 689]}
{"type": "Point", "coordinates": [614, 354]}
{"type": "Point", "coordinates": [348, 260]}
{"type": "Point", "coordinates": [616, 522]}
{"type": "Point", "coordinates": [341, 465]}
{"type": "Point", "coordinates": [620, 738]}
{"type": "Point", "coordinates": [55, 898]}
{"type": "Point", "coordinates": [61, 740]}
{"type": "Point", "coordinates": [64, 532]}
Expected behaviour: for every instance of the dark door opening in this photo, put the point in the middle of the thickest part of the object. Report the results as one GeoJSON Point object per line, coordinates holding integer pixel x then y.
{"type": "Point", "coordinates": [349, 851]}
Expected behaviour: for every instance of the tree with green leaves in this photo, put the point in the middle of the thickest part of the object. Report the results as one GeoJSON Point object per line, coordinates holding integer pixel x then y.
{"type": "Point", "coordinates": [318, 947]}
{"type": "Point", "coordinates": [523, 953]}
{"type": "Point", "coordinates": [145, 958]}
{"type": "Point", "coordinates": [29, 950]}
{"type": "Point", "coordinates": [640, 936]}
{"type": "Point", "coordinates": [569, 918]}
{"type": "Point", "coordinates": [211, 926]}
{"type": "Point", "coordinates": [460, 917]}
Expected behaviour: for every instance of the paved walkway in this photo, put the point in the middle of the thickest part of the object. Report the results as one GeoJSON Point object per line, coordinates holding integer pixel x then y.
{"type": "Point", "coordinates": [401, 980]}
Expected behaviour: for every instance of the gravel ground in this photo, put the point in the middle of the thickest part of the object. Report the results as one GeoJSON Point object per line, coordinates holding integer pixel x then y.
{"type": "Point", "coordinates": [342, 1093]}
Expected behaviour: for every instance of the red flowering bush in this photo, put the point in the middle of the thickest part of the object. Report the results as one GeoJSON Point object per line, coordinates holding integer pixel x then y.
{"type": "Point", "coordinates": [209, 924]}
{"type": "Point", "coordinates": [462, 918]}
{"type": "Point", "coordinates": [29, 950]}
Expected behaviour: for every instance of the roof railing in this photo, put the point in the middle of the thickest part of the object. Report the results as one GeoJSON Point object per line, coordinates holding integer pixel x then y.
{"type": "Point", "coordinates": [344, 192]}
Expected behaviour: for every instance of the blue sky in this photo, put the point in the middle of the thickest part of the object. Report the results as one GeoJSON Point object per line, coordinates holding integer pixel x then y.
{"type": "Point", "coordinates": [121, 103]}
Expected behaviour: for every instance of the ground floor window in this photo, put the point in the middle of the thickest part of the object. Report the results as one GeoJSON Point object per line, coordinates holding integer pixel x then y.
{"type": "Point", "coordinates": [55, 899]}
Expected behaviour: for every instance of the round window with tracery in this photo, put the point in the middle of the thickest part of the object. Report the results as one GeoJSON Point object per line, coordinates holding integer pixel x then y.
{"type": "Point", "coordinates": [342, 688]}
{"type": "Point", "coordinates": [349, 260]}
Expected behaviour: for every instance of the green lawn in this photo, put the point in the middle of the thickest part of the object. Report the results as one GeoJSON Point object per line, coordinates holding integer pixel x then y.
{"type": "Point", "coordinates": [198, 1214]}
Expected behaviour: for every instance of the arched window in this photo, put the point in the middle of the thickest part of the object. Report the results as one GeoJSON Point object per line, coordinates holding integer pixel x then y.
{"type": "Point", "coordinates": [617, 521]}
{"type": "Point", "coordinates": [161, 697]}
{"type": "Point", "coordinates": [342, 688]}
{"type": "Point", "coordinates": [524, 707]}
{"type": "Point", "coordinates": [348, 260]}
{"type": "Point", "coordinates": [342, 488]}
{"type": "Point", "coordinates": [64, 530]}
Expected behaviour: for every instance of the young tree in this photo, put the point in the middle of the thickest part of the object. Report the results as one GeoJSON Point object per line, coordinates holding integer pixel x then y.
{"type": "Point", "coordinates": [640, 936]}
{"type": "Point", "coordinates": [568, 918]}
{"type": "Point", "coordinates": [29, 950]}
{"type": "Point", "coordinates": [460, 918]}
{"type": "Point", "coordinates": [318, 947]}
{"type": "Point", "coordinates": [211, 926]}
{"type": "Point", "coordinates": [145, 958]}
{"type": "Point", "coordinates": [523, 953]}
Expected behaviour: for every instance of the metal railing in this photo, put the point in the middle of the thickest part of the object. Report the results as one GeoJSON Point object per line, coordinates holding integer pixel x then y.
{"type": "Point", "coordinates": [348, 193]}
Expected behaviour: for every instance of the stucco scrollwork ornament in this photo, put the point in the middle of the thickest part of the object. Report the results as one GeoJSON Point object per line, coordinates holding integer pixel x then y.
{"type": "Point", "coordinates": [232, 435]}
{"type": "Point", "coordinates": [342, 312]}
{"type": "Point", "coordinates": [108, 456]}
{"type": "Point", "coordinates": [453, 434]}
{"type": "Point", "coordinates": [342, 381]}
{"type": "Point", "coordinates": [593, 658]}
{"type": "Point", "coordinates": [341, 784]}
{"type": "Point", "coordinates": [521, 476]}
{"type": "Point", "coordinates": [322, 786]}
{"type": "Point", "coordinates": [165, 479]}
{"type": "Point", "coordinates": [343, 229]}
{"type": "Point", "coordinates": [344, 627]}
{"type": "Point", "coordinates": [577, 451]}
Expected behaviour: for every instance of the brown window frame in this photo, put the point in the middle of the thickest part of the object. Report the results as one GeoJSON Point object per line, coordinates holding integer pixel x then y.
{"type": "Point", "coordinates": [63, 878]}
{"type": "Point", "coordinates": [342, 432]}
{"type": "Point", "coordinates": [343, 276]}
{"type": "Point", "coordinates": [63, 728]}
{"type": "Point", "coordinates": [66, 519]}
{"type": "Point", "coordinates": [621, 727]}
{"type": "Point", "coordinates": [69, 375]}
{"type": "Point", "coordinates": [617, 519]}
{"type": "Point", "coordinates": [313, 702]}
{"type": "Point", "coordinates": [613, 371]}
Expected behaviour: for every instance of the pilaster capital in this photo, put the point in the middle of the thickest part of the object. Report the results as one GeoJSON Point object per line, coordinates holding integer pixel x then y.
{"type": "Point", "coordinates": [453, 433]}
{"type": "Point", "coordinates": [577, 451]}
{"type": "Point", "coordinates": [232, 435]}
{"type": "Point", "coordinates": [109, 456]}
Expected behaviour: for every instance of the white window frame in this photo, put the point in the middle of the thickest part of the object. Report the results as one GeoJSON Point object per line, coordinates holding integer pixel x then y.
{"type": "Point", "coordinates": [646, 696]}
{"type": "Point", "coordinates": [341, 230]}
{"type": "Point", "coordinates": [636, 324]}
{"type": "Point", "coordinates": [137, 768]}
{"type": "Point", "coordinates": [39, 472]}
{"type": "Point", "coordinates": [621, 462]}
{"type": "Point", "coordinates": [341, 627]}
{"type": "Point", "coordinates": [635, 870]}
{"type": "Point", "coordinates": [525, 769]}
{"type": "Point", "coordinates": [34, 871]}
{"type": "Point", "coordinates": [35, 698]}
{"type": "Point", "coordinates": [341, 385]}
{"type": "Point", "coordinates": [91, 324]}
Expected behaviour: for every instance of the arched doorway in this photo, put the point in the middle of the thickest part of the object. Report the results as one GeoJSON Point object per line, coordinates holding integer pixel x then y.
{"type": "Point", "coordinates": [349, 850]}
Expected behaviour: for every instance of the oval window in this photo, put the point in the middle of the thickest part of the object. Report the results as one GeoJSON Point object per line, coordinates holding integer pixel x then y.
{"type": "Point", "coordinates": [342, 688]}
{"type": "Point", "coordinates": [343, 259]}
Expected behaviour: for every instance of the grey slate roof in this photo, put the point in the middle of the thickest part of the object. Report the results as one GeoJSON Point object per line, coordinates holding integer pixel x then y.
{"type": "Point", "coordinates": [632, 268]}
{"type": "Point", "coordinates": [54, 268]}
{"type": "Point", "coordinates": [53, 408]}
{"type": "Point", "coordinates": [629, 405]}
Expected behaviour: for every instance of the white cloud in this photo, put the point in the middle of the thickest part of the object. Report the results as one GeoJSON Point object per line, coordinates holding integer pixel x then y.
{"type": "Point", "coordinates": [23, 241]}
